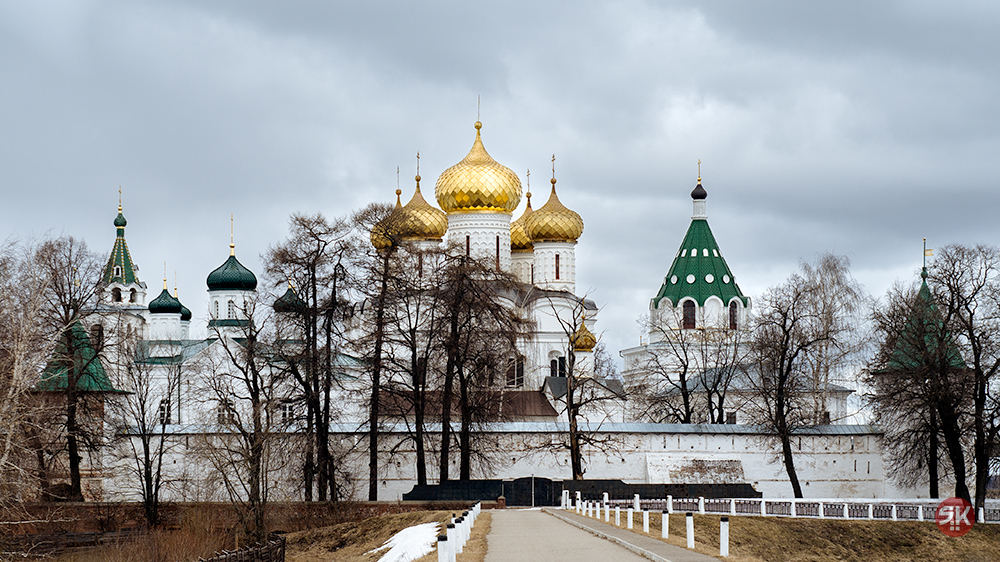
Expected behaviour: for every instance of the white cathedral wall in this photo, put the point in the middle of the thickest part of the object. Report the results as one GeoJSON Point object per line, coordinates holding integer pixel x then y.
{"type": "Point", "coordinates": [545, 266]}
{"type": "Point", "coordinates": [489, 235]}
{"type": "Point", "coordinates": [521, 264]}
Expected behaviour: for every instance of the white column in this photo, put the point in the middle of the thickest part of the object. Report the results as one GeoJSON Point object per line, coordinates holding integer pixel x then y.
{"type": "Point", "coordinates": [618, 516]}
{"type": "Point", "coordinates": [630, 512]}
{"type": "Point", "coordinates": [724, 537]}
{"type": "Point", "coordinates": [635, 502]}
{"type": "Point", "coordinates": [645, 521]}
{"type": "Point", "coordinates": [665, 524]}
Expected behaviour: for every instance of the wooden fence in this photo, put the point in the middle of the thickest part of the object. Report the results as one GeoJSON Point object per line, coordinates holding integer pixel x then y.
{"type": "Point", "coordinates": [272, 551]}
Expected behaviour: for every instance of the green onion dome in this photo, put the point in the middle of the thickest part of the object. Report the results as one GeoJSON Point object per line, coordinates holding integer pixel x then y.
{"type": "Point", "coordinates": [120, 221]}
{"type": "Point", "coordinates": [289, 302]}
{"type": "Point", "coordinates": [165, 303]}
{"type": "Point", "coordinates": [231, 275]}
{"type": "Point", "coordinates": [185, 313]}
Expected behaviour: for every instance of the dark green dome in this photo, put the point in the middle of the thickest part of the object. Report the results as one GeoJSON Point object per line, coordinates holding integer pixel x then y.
{"type": "Point", "coordinates": [232, 275]}
{"type": "Point", "coordinates": [185, 313]}
{"type": "Point", "coordinates": [120, 221]}
{"type": "Point", "coordinates": [289, 302]}
{"type": "Point", "coordinates": [165, 304]}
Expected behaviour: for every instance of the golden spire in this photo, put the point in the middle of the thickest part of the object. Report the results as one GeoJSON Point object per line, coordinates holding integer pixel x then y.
{"type": "Point", "coordinates": [175, 283]}
{"type": "Point", "coordinates": [164, 275]}
{"type": "Point", "coordinates": [699, 170]}
{"type": "Point", "coordinates": [418, 172]}
{"type": "Point", "coordinates": [527, 181]}
{"type": "Point", "coordinates": [119, 198]}
{"type": "Point", "coordinates": [232, 239]}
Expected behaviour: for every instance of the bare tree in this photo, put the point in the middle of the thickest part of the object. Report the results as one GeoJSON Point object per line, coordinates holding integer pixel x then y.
{"type": "Point", "coordinates": [245, 386]}
{"type": "Point", "coordinates": [593, 392]}
{"type": "Point", "coordinates": [23, 347]}
{"type": "Point", "coordinates": [920, 388]}
{"type": "Point", "coordinates": [139, 418]}
{"type": "Point", "coordinates": [687, 372]}
{"type": "Point", "coordinates": [795, 332]}
{"type": "Point", "coordinates": [316, 258]}
{"type": "Point", "coordinates": [71, 292]}
{"type": "Point", "coordinates": [478, 327]}
{"type": "Point", "coordinates": [966, 283]}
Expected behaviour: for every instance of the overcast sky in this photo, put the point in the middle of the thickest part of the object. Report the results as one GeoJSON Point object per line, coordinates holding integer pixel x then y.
{"type": "Point", "coordinates": [851, 127]}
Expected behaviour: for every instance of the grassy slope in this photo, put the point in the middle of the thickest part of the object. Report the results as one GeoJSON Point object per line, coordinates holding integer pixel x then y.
{"type": "Point", "coordinates": [772, 539]}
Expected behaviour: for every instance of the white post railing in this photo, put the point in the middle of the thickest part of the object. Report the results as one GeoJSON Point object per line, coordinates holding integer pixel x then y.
{"type": "Point", "coordinates": [665, 525]}
{"type": "Point", "coordinates": [690, 530]}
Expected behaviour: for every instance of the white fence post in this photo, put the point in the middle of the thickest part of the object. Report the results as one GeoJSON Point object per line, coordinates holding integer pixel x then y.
{"type": "Point", "coordinates": [894, 512]}
{"type": "Point", "coordinates": [645, 521]}
{"type": "Point", "coordinates": [630, 511]}
{"type": "Point", "coordinates": [871, 511]}
{"type": "Point", "coordinates": [635, 503]}
{"type": "Point", "coordinates": [920, 513]}
{"type": "Point", "coordinates": [443, 549]}
{"type": "Point", "coordinates": [732, 507]}
{"type": "Point", "coordinates": [665, 524]}
{"type": "Point", "coordinates": [763, 507]}
{"type": "Point", "coordinates": [982, 515]}
{"type": "Point", "coordinates": [701, 505]}
{"type": "Point", "coordinates": [607, 511]}
{"type": "Point", "coordinates": [793, 508]}
{"type": "Point", "coordinates": [670, 504]}
{"type": "Point", "coordinates": [724, 537]}
{"type": "Point", "coordinates": [618, 516]}
{"type": "Point", "coordinates": [690, 530]}
{"type": "Point", "coordinates": [579, 496]}
{"type": "Point", "coordinates": [846, 513]}
{"type": "Point", "coordinates": [821, 515]}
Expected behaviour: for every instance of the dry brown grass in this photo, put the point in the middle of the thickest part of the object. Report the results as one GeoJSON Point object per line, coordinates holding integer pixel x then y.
{"type": "Point", "coordinates": [351, 541]}
{"type": "Point", "coordinates": [775, 539]}
{"type": "Point", "coordinates": [197, 538]}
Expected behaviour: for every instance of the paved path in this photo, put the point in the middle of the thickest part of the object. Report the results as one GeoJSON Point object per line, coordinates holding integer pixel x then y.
{"type": "Point", "coordinates": [521, 534]}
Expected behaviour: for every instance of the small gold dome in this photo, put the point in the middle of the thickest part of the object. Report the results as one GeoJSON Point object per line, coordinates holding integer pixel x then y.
{"type": "Point", "coordinates": [420, 220]}
{"type": "Point", "coordinates": [478, 183]}
{"type": "Point", "coordinates": [554, 222]}
{"type": "Point", "coordinates": [388, 228]}
{"type": "Point", "coordinates": [583, 340]}
{"type": "Point", "coordinates": [519, 241]}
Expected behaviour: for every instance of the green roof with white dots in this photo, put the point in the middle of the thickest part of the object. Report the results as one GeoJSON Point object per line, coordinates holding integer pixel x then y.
{"type": "Point", "coordinates": [120, 268]}
{"type": "Point", "coordinates": [699, 271]}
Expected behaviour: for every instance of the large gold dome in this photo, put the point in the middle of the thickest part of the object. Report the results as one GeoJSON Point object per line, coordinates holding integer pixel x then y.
{"type": "Point", "coordinates": [478, 183]}
{"type": "Point", "coordinates": [519, 241]}
{"type": "Point", "coordinates": [553, 222]}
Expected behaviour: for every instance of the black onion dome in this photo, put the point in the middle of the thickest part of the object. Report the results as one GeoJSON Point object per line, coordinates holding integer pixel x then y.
{"type": "Point", "coordinates": [289, 302]}
{"type": "Point", "coordinates": [699, 192]}
{"type": "Point", "coordinates": [185, 313]}
{"type": "Point", "coordinates": [165, 304]}
{"type": "Point", "coordinates": [232, 275]}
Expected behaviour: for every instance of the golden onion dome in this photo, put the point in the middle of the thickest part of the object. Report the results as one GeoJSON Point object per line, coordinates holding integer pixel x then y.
{"type": "Point", "coordinates": [519, 241]}
{"type": "Point", "coordinates": [582, 339]}
{"type": "Point", "coordinates": [554, 222]}
{"type": "Point", "coordinates": [386, 229]}
{"type": "Point", "coordinates": [419, 220]}
{"type": "Point", "coordinates": [478, 183]}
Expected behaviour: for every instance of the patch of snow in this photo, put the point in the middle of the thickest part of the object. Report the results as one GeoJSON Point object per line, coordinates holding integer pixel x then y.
{"type": "Point", "coordinates": [409, 544]}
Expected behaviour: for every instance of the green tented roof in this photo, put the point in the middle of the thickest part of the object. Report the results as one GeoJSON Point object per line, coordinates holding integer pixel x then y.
{"type": "Point", "coordinates": [925, 323]}
{"type": "Point", "coordinates": [699, 271]}
{"type": "Point", "coordinates": [76, 349]}
{"type": "Point", "coordinates": [120, 257]}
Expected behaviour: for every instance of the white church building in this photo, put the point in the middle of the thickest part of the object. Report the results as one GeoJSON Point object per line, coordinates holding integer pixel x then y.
{"type": "Point", "coordinates": [476, 199]}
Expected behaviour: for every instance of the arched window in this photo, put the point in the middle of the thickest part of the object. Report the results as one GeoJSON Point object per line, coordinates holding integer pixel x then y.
{"type": "Point", "coordinates": [557, 266]}
{"type": "Point", "coordinates": [118, 271]}
{"type": "Point", "coordinates": [116, 295]}
{"type": "Point", "coordinates": [562, 366]}
{"type": "Point", "coordinates": [733, 315]}
{"type": "Point", "coordinates": [97, 335]}
{"type": "Point", "coordinates": [689, 314]}
{"type": "Point", "coordinates": [231, 310]}
{"type": "Point", "coordinates": [132, 295]}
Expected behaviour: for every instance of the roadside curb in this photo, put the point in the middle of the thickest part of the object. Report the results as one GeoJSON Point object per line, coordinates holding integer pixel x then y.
{"type": "Point", "coordinates": [640, 551]}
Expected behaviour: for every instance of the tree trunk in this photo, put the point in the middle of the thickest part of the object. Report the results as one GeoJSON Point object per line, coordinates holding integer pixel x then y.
{"type": "Point", "coordinates": [932, 457]}
{"type": "Point", "coordinates": [419, 368]}
{"type": "Point", "coordinates": [465, 433]}
{"type": "Point", "coordinates": [953, 441]}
